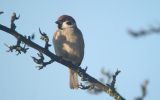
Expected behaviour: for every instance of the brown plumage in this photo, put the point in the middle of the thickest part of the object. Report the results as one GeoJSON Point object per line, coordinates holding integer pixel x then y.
{"type": "Point", "coordinates": [69, 44]}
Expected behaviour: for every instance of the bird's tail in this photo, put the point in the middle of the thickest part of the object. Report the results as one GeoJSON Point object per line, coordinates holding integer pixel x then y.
{"type": "Point", "coordinates": [73, 80]}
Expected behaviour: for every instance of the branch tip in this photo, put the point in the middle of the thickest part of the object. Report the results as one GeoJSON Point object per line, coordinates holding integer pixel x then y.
{"type": "Point", "coordinates": [143, 90]}
{"type": "Point", "coordinates": [13, 18]}
{"type": "Point", "coordinates": [84, 87]}
{"type": "Point", "coordinates": [114, 79]}
{"type": "Point", "coordinates": [1, 12]}
{"type": "Point", "coordinates": [144, 32]}
{"type": "Point", "coordinates": [45, 38]}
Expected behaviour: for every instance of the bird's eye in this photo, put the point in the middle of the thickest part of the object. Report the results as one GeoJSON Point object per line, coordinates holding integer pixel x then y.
{"type": "Point", "coordinates": [69, 23]}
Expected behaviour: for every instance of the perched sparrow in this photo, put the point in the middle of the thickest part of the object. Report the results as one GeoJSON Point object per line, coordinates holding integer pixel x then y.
{"type": "Point", "coordinates": [69, 44]}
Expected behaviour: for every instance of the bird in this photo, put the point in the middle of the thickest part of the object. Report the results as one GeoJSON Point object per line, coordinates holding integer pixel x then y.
{"type": "Point", "coordinates": [69, 45]}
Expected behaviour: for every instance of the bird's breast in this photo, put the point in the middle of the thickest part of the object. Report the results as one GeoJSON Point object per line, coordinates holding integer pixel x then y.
{"type": "Point", "coordinates": [69, 42]}
{"type": "Point", "coordinates": [69, 45]}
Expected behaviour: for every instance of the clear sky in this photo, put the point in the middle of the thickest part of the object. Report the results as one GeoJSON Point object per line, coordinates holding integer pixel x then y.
{"type": "Point", "coordinates": [104, 24]}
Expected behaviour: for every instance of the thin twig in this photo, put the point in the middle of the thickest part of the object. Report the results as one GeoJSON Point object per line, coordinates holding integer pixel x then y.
{"type": "Point", "coordinates": [143, 90]}
{"type": "Point", "coordinates": [114, 79]}
{"type": "Point", "coordinates": [144, 32]}
{"type": "Point", "coordinates": [1, 12]}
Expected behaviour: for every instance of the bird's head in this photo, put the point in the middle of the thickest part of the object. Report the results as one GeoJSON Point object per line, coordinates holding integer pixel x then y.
{"type": "Point", "coordinates": [66, 21]}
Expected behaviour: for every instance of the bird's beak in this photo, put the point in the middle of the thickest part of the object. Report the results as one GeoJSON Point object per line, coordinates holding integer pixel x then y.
{"type": "Point", "coordinates": [58, 22]}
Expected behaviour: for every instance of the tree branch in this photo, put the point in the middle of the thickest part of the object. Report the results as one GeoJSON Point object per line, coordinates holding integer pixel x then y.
{"type": "Point", "coordinates": [1, 12]}
{"type": "Point", "coordinates": [81, 72]}
{"type": "Point", "coordinates": [144, 32]}
{"type": "Point", "coordinates": [143, 90]}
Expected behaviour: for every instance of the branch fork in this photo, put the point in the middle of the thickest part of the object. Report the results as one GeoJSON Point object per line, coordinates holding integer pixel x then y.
{"type": "Point", "coordinates": [18, 48]}
{"type": "Point", "coordinates": [41, 62]}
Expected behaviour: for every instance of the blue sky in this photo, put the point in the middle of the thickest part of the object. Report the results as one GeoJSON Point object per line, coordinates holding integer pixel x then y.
{"type": "Point", "coordinates": [104, 24]}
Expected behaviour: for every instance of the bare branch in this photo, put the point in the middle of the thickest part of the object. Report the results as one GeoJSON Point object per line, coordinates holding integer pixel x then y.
{"type": "Point", "coordinates": [45, 38]}
{"type": "Point", "coordinates": [110, 82]}
{"type": "Point", "coordinates": [18, 48]}
{"type": "Point", "coordinates": [41, 62]}
{"type": "Point", "coordinates": [84, 87]}
{"type": "Point", "coordinates": [1, 12]}
{"type": "Point", "coordinates": [144, 90]}
{"type": "Point", "coordinates": [114, 79]}
{"type": "Point", "coordinates": [144, 32]}
{"type": "Point", "coordinates": [13, 18]}
{"type": "Point", "coordinates": [81, 72]}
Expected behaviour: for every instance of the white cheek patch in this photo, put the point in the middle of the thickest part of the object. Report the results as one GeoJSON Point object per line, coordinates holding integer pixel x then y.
{"type": "Point", "coordinates": [65, 25]}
